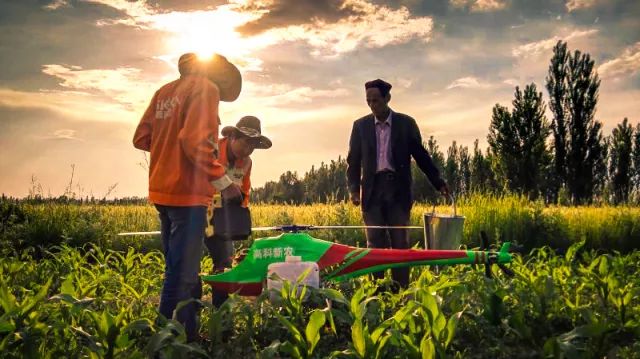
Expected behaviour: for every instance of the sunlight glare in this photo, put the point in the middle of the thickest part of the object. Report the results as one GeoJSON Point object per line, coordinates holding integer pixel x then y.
{"type": "Point", "coordinates": [205, 32]}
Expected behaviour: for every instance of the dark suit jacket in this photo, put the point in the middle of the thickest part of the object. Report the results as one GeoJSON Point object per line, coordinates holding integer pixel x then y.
{"type": "Point", "coordinates": [405, 142]}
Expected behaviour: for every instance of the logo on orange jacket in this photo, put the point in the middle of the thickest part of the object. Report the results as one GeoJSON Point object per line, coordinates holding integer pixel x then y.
{"type": "Point", "coordinates": [166, 107]}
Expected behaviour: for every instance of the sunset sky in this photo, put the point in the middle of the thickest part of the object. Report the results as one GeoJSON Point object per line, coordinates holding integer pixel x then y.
{"type": "Point", "coordinates": [77, 75]}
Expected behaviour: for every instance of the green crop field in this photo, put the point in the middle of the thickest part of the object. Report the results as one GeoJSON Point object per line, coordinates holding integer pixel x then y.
{"type": "Point", "coordinates": [69, 287]}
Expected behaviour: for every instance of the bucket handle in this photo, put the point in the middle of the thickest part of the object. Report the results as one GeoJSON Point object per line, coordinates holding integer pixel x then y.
{"type": "Point", "coordinates": [453, 203]}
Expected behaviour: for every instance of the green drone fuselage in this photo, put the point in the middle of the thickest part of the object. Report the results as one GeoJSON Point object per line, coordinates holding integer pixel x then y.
{"type": "Point", "coordinates": [337, 262]}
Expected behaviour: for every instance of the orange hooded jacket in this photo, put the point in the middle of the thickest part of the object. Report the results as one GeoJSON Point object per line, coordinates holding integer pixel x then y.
{"type": "Point", "coordinates": [180, 130]}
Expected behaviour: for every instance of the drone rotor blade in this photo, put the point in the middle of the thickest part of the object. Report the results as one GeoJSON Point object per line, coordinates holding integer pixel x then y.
{"type": "Point", "coordinates": [152, 233]}
{"type": "Point", "coordinates": [366, 227]}
{"type": "Point", "coordinates": [288, 228]}
{"type": "Point", "coordinates": [272, 228]}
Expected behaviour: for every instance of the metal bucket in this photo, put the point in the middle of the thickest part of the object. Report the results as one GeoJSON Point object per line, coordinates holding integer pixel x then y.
{"type": "Point", "coordinates": [443, 231]}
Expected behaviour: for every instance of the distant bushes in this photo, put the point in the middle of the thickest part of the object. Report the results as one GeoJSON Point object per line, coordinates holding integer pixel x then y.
{"type": "Point", "coordinates": [43, 225]}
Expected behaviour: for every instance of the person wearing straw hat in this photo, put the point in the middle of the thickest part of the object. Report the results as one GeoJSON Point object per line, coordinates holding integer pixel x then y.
{"type": "Point", "coordinates": [236, 147]}
{"type": "Point", "coordinates": [379, 171]}
{"type": "Point", "coordinates": [180, 130]}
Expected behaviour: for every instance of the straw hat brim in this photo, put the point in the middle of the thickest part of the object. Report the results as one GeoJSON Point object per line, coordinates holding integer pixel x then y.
{"type": "Point", "coordinates": [263, 141]}
{"type": "Point", "coordinates": [226, 76]}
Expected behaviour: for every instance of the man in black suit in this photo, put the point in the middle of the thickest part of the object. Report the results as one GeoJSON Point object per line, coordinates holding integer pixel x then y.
{"type": "Point", "coordinates": [379, 171]}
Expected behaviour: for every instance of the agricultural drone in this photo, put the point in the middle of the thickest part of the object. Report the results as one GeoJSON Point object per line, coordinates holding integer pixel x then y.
{"type": "Point", "coordinates": [338, 262]}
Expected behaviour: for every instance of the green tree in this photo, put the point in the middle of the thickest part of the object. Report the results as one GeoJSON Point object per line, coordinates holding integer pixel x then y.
{"type": "Point", "coordinates": [291, 188]}
{"type": "Point", "coordinates": [620, 161]}
{"type": "Point", "coordinates": [573, 86]}
{"type": "Point", "coordinates": [265, 194]}
{"type": "Point", "coordinates": [519, 141]}
{"type": "Point", "coordinates": [465, 170]}
{"type": "Point", "coordinates": [557, 88]}
{"type": "Point", "coordinates": [421, 188]}
{"type": "Point", "coordinates": [504, 145]}
{"type": "Point", "coordinates": [436, 155]}
{"type": "Point", "coordinates": [601, 173]}
{"type": "Point", "coordinates": [327, 183]}
{"type": "Point", "coordinates": [452, 173]}
{"type": "Point", "coordinates": [481, 174]}
{"type": "Point", "coordinates": [533, 130]}
{"type": "Point", "coordinates": [636, 162]}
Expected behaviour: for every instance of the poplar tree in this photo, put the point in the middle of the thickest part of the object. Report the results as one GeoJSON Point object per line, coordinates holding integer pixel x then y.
{"type": "Point", "coordinates": [636, 162]}
{"type": "Point", "coordinates": [579, 147]}
{"type": "Point", "coordinates": [557, 89]}
{"type": "Point", "coordinates": [452, 169]}
{"type": "Point", "coordinates": [620, 161]}
{"type": "Point", "coordinates": [519, 141]}
{"type": "Point", "coordinates": [464, 165]}
{"type": "Point", "coordinates": [481, 175]}
{"type": "Point", "coordinates": [421, 187]}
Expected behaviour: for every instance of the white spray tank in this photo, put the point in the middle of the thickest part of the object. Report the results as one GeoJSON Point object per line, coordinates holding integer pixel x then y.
{"type": "Point", "coordinates": [291, 269]}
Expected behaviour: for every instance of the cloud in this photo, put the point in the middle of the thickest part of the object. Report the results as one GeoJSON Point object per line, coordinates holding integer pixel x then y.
{"type": "Point", "coordinates": [63, 134]}
{"type": "Point", "coordinates": [404, 83]}
{"type": "Point", "coordinates": [56, 4]}
{"type": "Point", "coordinates": [283, 13]}
{"type": "Point", "coordinates": [280, 95]}
{"type": "Point", "coordinates": [544, 46]}
{"type": "Point", "coordinates": [511, 82]}
{"type": "Point", "coordinates": [138, 13]}
{"type": "Point", "coordinates": [627, 64]}
{"type": "Point", "coordinates": [186, 5]}
{"type": "Point", "coordinates": [467, 82]}
{"type": "Point", "coordinates": [480, 5]}
{"type": "Point", "coordinates": [363, 24]}
{"type": "Point", "coordinates": [74, 104]}
{"type": "Point", "coordinates": [121, 86]}
{"type": "Point", "coordinates": [285, 103]}
{"type": "Point", "coordinates": [579, 4]}
{"type": "Point", "coordinates": [376, 27]}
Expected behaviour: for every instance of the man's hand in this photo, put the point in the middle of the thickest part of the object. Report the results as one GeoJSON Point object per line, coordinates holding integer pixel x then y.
{"type": "Point", "coordinates": [231, 193]}
{"type": "Point", "coordinates": [355, 198]}
{"type": "Point", "coordinates": [444, 190]}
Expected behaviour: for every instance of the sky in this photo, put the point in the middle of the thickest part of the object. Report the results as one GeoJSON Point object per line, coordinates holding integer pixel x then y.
{"type": "Point", "coordinates": [78, 74]}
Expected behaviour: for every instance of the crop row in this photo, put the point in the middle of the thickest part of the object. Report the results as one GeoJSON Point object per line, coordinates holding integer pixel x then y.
{"type": "Point", "coordinates": [97, 303]}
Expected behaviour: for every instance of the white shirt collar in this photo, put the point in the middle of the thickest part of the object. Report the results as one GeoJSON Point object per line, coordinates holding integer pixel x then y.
{"type": "Point", "coordinates": [388, 118]}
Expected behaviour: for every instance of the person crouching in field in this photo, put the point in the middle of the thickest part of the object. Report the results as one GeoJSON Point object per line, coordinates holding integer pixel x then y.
{"type": "Point", "coordinates": [235, 148]}
{"type": "Point", "coordinates": [180, 130]}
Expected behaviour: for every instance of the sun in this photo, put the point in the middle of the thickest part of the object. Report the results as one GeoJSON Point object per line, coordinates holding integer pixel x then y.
{"type": "Point", "coordinates": [205, 32]}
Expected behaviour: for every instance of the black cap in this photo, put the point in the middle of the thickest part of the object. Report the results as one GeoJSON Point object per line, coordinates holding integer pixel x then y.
{"type": "Point", "coordinates": [381, 85]}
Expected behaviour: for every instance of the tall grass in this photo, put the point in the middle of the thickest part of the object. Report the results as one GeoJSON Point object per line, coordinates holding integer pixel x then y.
{"type": "Point", "coordinates": [505, 218]}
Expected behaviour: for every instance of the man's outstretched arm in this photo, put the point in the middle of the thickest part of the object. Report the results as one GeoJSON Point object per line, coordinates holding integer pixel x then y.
{"type": "Point", "coordinates": [423, 159]}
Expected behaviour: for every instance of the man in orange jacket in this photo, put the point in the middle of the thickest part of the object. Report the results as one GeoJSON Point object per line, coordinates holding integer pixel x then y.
{"type": "Point", "coordinates": [235, 150]}
{"type": "Point", "coordinates": [180, 130]}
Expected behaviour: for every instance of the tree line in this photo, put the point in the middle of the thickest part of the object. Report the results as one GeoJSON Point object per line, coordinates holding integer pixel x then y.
{"type": "Point", "coordinates": [566, 159]}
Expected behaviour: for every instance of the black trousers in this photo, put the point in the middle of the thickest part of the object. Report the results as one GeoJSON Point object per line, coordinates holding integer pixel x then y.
{"type": "Point", "coordinates": [221, 252]}
{"type": "Point", "coordinates": [385, 209]}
